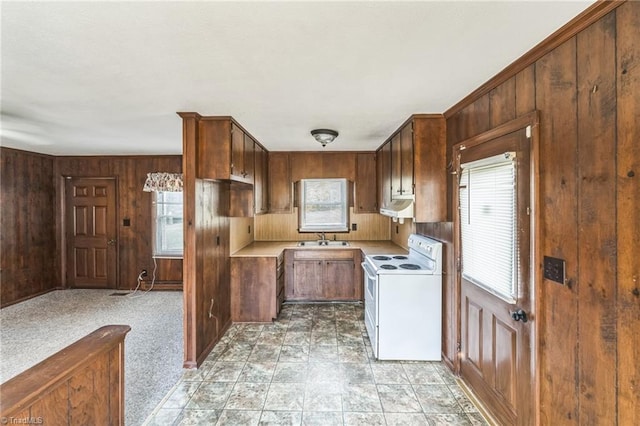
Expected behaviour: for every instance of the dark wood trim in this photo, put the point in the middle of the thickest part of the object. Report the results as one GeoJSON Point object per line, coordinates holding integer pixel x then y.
{"type": "Point", "coordinates": [531, 119]}
{"type": "Point", "coordinates": [592, 14]}
{"type": "Point", "coordinates": [165, 285]}
{"type": "Point", "coordinates": [31, 296]}
{"type": "Point", "coordinates": [207, 350]}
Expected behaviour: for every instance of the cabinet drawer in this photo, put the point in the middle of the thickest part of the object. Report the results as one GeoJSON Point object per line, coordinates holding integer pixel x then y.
{"type": "Point", "coordinates": [323, 254]}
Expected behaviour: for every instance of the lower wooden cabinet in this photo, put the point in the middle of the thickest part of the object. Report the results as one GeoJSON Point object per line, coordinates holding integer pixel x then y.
{"type": "Point", "coordinates": [257, 288]}
{"type": "Point", "coordinates": [323, 275]}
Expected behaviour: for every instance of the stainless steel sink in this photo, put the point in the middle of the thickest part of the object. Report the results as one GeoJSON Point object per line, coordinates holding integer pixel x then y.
{"type": "Point", "coordinates": [323, 243]}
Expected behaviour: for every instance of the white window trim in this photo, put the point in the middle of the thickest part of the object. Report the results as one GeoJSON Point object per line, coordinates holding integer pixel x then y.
{"type": "Point", "coordinates": [156, 253]}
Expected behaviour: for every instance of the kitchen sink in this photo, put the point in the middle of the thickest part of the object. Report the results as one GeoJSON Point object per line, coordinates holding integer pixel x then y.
{"type": "Point", "coordinates": [323, 243]}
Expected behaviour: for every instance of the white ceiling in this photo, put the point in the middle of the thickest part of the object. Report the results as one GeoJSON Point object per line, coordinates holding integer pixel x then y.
{"type": "Point", "coordinates": [89, 78]}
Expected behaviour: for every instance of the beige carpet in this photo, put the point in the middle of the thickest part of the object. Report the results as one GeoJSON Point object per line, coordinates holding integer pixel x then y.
{"type": "Point", "coordinates": [37, 328]}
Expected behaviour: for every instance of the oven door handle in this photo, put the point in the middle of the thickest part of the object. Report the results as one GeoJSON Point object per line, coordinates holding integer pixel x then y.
{"type": "Point", "coordinates": [368, 271]}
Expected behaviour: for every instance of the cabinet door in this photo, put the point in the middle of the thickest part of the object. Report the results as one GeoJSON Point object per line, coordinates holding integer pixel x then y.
{"type": "Point", "coordinates": [366, 190]}
{"type": "Point", "coordinates": [307, 279]}
{"type": "Point", "coordinates": [237, 151]}
{"type": "Point", "coordinates": [280, 200]}
{"type": "Point", "coordinates": [338, 280]}
{"type": "Point", "coordinates": [396, 166]}
{"type": "Point", "coordinates": [338, 165]}
{"type": "Point", "coordinates": [406, 154]}
{"type": "Point", "coordinates": [384, 175]}
{"type": "Point", "coordinates": [260, 181]}
{"type": "Point", "coordinates": [249, 154]}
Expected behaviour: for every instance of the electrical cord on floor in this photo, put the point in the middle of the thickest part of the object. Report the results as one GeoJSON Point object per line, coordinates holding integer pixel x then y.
{"type": "Point", "coordinates": [141, 275]}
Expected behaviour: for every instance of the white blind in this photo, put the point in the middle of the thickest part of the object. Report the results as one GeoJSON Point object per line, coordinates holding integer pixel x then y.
{"type": "Point", "coordinates": [488, 222]}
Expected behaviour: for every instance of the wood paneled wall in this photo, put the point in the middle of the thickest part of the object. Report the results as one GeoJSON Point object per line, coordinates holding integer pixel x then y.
{"type": "Point", "coordinates": [134, 241]}
{"type": "Point", "coordinates": [284, 227]}
{"type": "Point", "coordinates": [27, 225]}
{"type": "Point", "coordinates": [587, 91]}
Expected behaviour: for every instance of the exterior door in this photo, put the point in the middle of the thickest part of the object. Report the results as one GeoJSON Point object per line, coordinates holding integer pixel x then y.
{"type": "Point", "coordinates": [91, 239]}
{"type": "Point", "coordinates": [496, 338]}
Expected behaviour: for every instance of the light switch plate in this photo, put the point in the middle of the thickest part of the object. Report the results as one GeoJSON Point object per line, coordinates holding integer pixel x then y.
{"type": "Point", "coordinates": [554, 269]}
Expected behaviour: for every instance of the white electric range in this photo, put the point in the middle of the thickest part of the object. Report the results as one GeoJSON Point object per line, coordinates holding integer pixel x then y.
{"type": "Point", "coordinates": [403, 302]}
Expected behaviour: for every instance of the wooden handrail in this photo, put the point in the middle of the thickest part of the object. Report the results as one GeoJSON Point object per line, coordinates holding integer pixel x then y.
{"type": "Point", "coordinates": [44, 390]}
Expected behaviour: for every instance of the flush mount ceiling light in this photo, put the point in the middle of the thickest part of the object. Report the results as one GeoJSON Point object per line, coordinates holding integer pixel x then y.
{"type": "Point", "coordinates": [324, 136]}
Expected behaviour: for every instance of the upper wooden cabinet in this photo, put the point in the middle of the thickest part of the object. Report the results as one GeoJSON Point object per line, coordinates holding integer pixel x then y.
{"type": "Point", "coordinates": [261, 179]}
{"type": "Point", "coordinates": [280, 183]}
{"type": "Point", "coordinates": [383, 167]}
{"type": "Point", "coordinates": [366, 192]}
{"type": "Point", "coordinates": [225, 150]}
{"type": "Point", "coordinates": [412, 162]}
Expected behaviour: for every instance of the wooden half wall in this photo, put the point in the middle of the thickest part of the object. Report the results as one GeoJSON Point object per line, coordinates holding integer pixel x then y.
{"type": "Point", "coordinates": [585, 82]}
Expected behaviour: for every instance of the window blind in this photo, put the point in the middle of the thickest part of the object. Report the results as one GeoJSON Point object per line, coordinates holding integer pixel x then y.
{"type": "Point", "coordinates": [488, 222]}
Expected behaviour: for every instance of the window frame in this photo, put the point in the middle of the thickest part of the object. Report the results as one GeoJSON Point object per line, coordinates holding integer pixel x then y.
{"type": "Point", "coordinates": [507, 159]}
{"type": "Point", "coordinates": [157, 251]}
{"type": "Point", "coordinates": [305, 225]}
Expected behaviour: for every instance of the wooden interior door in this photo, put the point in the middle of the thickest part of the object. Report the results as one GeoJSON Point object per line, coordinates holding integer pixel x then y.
{"type": "Point", "coordinates": [91, 237]}
{"type": "Point", "coordinates": [496, 343]}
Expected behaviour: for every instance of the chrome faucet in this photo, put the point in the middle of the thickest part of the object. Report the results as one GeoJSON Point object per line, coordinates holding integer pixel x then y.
{"type": "Point", "coordinates": [322, 236]}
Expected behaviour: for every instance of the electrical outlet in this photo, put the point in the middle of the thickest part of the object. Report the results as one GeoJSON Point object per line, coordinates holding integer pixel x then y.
{"type": "Point", "coordinates": [354, 226]}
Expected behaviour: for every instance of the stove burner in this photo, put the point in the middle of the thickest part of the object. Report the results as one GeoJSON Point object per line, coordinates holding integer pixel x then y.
{"type": "Point", "coordinates": [400, 257]}
{"type": "Point", "coordinates": [385, 266]}
{"type": "Point", "coordinates": [409, 266]}
{"type": "Point", "coordinates": [381, 258]}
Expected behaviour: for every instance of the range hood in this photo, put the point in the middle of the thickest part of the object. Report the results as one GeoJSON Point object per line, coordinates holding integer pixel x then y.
{"type": "Point", "coordinates": [398, 209]}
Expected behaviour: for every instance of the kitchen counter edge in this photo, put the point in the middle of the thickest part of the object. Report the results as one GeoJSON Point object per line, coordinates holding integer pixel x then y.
{"type": "Point", "coordinates": [275, 248]}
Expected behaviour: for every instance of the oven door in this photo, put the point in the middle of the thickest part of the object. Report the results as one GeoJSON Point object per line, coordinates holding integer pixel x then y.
{"type": "Point", "coordinates": [371, 306]}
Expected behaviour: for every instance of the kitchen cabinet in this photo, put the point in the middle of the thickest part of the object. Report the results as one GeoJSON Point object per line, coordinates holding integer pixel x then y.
{"type": "Point", "coordinates": [416, 155]}
{"type": "Point", "coordinates": [257, 288]}
{"type": "Point", "coordinates": [323, 275]}
{"type": "Point", "coordinates": [280, 183]}
{"type": "Point", "coordinates": [365, 190]}
{"type": "Point", "coordinates": [261, 179]}
{"type": "Point", "coordinates": [248, 158]}
{"type": "Point", "coordinates": [225, 151]}
{"type": "Point", "coordinates": [384, 175]}
{"type": "Point", "coordinates": [402, 162]}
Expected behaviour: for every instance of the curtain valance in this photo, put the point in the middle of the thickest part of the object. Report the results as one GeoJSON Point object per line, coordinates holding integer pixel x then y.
{"type": "Point", "coordinates": [162, 181]}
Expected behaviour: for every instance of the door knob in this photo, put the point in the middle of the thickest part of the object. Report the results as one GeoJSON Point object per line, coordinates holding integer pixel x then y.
{"type": "Point", "coordinates": [111, 242]}
{"type": "Point", "coordinates": [519, 315]}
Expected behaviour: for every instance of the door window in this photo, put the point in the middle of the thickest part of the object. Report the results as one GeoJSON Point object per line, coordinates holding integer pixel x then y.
{"type": "Point", "coordinates": [488, 224]}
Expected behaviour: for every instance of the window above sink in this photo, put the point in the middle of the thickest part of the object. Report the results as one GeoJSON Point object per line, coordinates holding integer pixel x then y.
{"type": "Point", "coordinates": [323, 205]}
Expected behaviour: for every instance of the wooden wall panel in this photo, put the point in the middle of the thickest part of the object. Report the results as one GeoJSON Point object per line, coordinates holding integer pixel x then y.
{"type": "Point", "coordinates": [525, 91]}
{"type": "Point", "coordinates": [134, 241]}
{"type": "Point", "coordinates": [558, 322]}
{"type": "Point", "coordinates": [502, 106]}
{"type": "Point", "coordinates": [27, 225]}
{"type": "Point", "coordinates": [628, 213]}
{"type": "Point", "coordinates": [596, 218]}
{"type": "Point", "coordinates": [589, 110]}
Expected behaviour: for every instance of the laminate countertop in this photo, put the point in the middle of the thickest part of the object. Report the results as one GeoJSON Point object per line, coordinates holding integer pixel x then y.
{"type": "Point", "coordinates": [275, 248]}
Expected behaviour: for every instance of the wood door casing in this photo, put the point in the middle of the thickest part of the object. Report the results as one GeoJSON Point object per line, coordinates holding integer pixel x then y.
{"type": "Point", "coordinates": [91, 232]}
{"type": "Point", "coordinates": [497, 353]}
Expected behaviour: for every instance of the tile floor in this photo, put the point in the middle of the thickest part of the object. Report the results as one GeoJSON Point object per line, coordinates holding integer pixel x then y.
{"type": "Point", "coordinates": [313, 366]}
